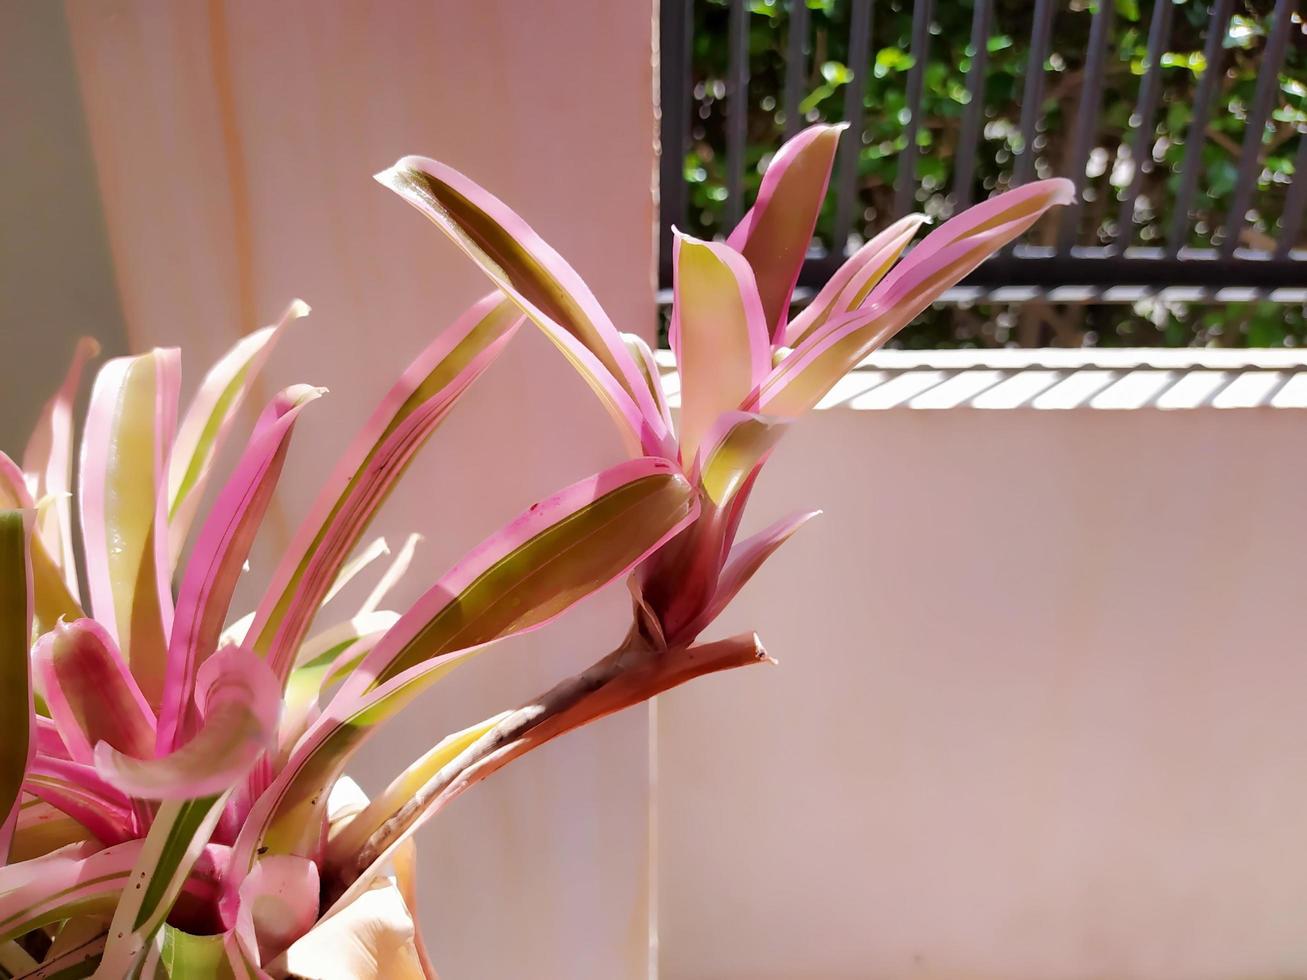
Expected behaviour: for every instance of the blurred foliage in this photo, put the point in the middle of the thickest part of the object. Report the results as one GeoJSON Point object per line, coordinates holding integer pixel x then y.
{"type": "Point", "coordinates": [1109, 169]}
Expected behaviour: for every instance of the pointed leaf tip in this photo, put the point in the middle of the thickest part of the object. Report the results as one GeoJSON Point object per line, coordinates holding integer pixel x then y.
{"type": "Point", "coordinates": [541, 283]}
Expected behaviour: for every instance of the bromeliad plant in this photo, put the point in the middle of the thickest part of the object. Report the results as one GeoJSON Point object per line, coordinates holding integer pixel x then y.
{"type": "Point", "coordinates": [172, 792]}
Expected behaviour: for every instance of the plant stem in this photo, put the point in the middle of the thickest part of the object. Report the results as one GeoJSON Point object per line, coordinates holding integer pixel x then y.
{"type": "Point", "coordinates": [635, 671]}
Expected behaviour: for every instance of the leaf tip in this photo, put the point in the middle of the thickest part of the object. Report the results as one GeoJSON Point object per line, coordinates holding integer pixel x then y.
{"type": "Point", "coordinates": [387, 177]}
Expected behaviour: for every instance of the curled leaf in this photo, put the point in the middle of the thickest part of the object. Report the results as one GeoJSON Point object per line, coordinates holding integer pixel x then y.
{"type": "Point", "coordinates": [239, 701]}
{"type": "Point", "coordinates": [91, 694]}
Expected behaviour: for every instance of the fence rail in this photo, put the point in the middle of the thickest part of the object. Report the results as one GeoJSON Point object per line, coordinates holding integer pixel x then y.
{"type": "Point", "coordinates": [1079, 260]}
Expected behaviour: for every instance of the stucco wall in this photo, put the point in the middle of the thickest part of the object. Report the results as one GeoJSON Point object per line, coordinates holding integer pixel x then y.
{"type": "Point", "coordinates": [234, 144]}
{"type": "Point", "coordinates": [1038, 713]}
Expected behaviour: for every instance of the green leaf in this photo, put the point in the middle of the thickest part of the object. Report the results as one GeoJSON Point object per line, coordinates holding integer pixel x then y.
{"type": "Point", "coordinates": [15, 670]}
{"type": "Point", "coordinates": [176, 838]}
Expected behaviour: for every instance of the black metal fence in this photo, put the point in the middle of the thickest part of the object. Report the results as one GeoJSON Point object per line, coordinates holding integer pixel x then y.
{"type": "Point", "coordinates": [1230, 257]}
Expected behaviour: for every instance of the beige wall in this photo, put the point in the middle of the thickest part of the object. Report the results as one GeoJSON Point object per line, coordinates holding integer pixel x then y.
{"type": "Point", "coordinates": [234, 143]}
{"type": "Point", "coordinates": [56, 276]}
{"type": "Point", "coordinates": [1038, 714]}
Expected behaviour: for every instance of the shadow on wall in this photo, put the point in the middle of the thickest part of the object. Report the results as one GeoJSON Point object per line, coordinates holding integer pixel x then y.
{"type": "Point", "coordinates": [56, 274]}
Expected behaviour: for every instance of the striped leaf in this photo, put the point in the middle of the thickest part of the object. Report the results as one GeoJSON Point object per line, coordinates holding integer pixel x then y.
{"type": "Point", "coordinates": [239, 702]}
{"type": "Point", "coordinates": [83, 794]}
{"type": "Point", "coordinates": [209, 419]}
{"type": "Point", "coordinates": [939, 262]}
{"type": "Point", "coordinates": [215, 565]}
{"type": "Point", "coordinates": [849, 286]}
{"type": "Point", "coordinates": [51, 595]}
{"type": "Point", "coordinates": [153, 879]}
{"type": "Point", "coordinates": [540, 281]}
{"type": "Point", "coordinates": [552, 556]}
{"type": "Point", "coordinates": [91, 694]}
{"type": "Point", "coordinates": [66, 884]}
{"type": "Point", "coordinates": [48, 463]}
{"type": "Point", "coordinates": [775, 233]}
{"type": "Point", "coordinates": [721, 342]}
{"type": "Point", "coordinates": [369, 469]}
{"type": "Point", "coordinates": [123, 497]}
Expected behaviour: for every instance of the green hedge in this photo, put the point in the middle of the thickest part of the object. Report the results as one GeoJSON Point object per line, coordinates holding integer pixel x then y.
{"type": "Point", "coordinates": [1246, 324]}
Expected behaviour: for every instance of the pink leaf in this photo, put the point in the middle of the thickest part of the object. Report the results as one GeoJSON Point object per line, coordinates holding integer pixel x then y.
{"type": "Point", "coordinates": [644, 359]}
{"type": "Point", "coordinates": [129, 432]}
{"type": "Point", "coordinates": [239, 701]}
{"type": "Point", "coordinates": [775, 234]}
{"type": "Point", "coordinates": [853, 280]}
{"type": "Point", "coordinates": [745, 558]}
{"type": "Point", "coordinates": [221, 550]}
{"type": "Point", "coordinates": [531, 571]}
{"type": "Point", "coordinates": [555, 554]}
{"type": "Point", "coordinates": [278, 904]}
{"type": "Point", "coordinates": [57, 886]}
{"type": "Point", "coordinates": [82, 793]}
{"type": "Point", "coordinates": [540, 281]}
{"type": "Point", "coordinates": [418, 402]}
{"type": "Point", "coordinates": [997, 220]}
{"type": "Point", "coordinates": [48, 462]}
{"type": "Point", "coordinates": [939, 262]}
{"type": "Point", "coordinates": [736, 445]}
{"type": "Point", "coordinates": [209, 419]}
{"type": "Point", "coordinates": [48, 740]}
{"type": "Point", "coordinates": [90, 692]}
{"type": "Point", "coordinates": [722, 351]}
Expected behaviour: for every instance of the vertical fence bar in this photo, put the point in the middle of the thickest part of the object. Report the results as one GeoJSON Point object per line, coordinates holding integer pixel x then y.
{"type": "Point", "coordinates": [1204, 98]}
{"type": "Point", "coordinates": [737, 110]}
{"type": "Point", "coordinates": [1032, 95]}
{"type": "Point", "coordinates": [1150, 90]}
{"type": "Point", "coordinates": [851, 145]}
{"type": "Point", "coordinates": [973, 117]}
{"type": "Point", "coordinates": [674, 80]}
{"type": "Point", "coordinates": [796, 65]}
{"type": "Point", "coordinates": [1091, 99]}
{"type": "Point", "coordinates": [906, 176]}
{"type": "Point", "coordinates": [1295, 202]}
{"type": "Point", "coordinates": [1250, 156]}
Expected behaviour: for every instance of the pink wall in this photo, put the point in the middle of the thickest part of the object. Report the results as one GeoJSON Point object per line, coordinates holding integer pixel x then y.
{"type": "Point", "coordinates": [234, 143]}
{"type": "Point", "coordinates": [1038, 713]}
